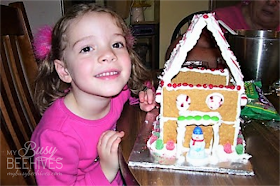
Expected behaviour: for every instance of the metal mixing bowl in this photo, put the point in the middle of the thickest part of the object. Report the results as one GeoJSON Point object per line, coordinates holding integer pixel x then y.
{"type": "Point", "coordinates": [257, 52]}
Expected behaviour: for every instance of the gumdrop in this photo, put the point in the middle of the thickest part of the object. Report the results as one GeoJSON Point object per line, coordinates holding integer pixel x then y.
{"type": "Point", "coordinates": [156, 134]}
{"type": "Point", "coordinates": [170, 145]}
{"type": "Point", "coordinates": [239, 149]}
{"type": "Point", "coordinates": [239, 141]}
{"type": "Point", "coordinates": [153, 139]}
{"type": "Point", "coordinates": [240, 135]}
{"type": "Point", "coordinates": [227, 148]}
{"type": "Point", "coordinates": [159, 144]}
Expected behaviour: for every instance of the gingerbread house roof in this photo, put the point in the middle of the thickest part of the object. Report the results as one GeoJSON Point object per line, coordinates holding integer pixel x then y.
{"type": "Point", "coordinates": [190, 38]}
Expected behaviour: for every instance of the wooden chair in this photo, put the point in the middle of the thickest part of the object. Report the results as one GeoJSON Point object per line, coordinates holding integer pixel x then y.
{"type": "Point", "coordinates": [19, 115]}
{"type": "Point", "coordinates": [20, 6]}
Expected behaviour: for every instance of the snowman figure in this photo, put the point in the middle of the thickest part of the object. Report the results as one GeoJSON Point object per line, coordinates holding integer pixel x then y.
{"type": "Point", "coordinates": [197, 144]}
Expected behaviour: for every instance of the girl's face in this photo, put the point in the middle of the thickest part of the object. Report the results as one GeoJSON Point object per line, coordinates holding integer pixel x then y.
{"type": "Point", "coordinates": [265, 13]}
{"type": "Point", "coordinates": [96, 56]}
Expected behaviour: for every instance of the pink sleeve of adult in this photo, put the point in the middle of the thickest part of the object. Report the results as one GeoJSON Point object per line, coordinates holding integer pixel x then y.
{"type": "Point", "coordinates": [232, 16]}
{"type": "Point", "coordinates": [57, 160]}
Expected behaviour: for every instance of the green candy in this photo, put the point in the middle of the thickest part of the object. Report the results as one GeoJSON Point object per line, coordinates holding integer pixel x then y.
{"type": "Point", "coordinates": [181, 118]}
{"type": "Point", "coordinates": [215, 118]}
{"type": "Point", "coordinates": [206, 117]}
{"type": "Point", "coordinates": [189, 117]}
{"type": "Point", "coordinates": [156, 134]}
{"type": "Point", "coordinates": [239, 149]}
{"type": "Point", "coordinates": [197, 118]}
{"type": "Point", "coordinates": [159, 144]}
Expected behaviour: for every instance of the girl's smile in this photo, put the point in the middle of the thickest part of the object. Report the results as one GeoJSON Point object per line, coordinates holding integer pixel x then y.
{"type": "Point", "coordinates": [108, 75]}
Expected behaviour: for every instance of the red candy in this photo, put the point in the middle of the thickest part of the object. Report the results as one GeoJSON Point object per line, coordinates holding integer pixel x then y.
{"type": "Point", "coordinates": [227, 148]}
{"type": "Point", "coordinates": [239, 141]}
{"type": "Point", "coordinates": [205, 16]}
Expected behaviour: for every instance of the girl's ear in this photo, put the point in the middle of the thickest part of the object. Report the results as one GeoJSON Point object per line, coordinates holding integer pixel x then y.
{"type": "Point", "coordinates": [62, 71]}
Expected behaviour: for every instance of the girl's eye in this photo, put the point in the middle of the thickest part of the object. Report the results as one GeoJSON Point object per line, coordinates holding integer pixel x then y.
{"type": "Point", "coordinates": [86, 49]}
{"type": "Point", "coordinates": [118, 45]}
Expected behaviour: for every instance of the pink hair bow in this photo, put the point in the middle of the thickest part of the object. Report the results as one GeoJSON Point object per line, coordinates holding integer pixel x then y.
{"type": "Point", "coordinates": [42, 42]}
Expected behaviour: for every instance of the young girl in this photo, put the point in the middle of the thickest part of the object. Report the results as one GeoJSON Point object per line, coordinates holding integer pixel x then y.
{"type": "Point", "coordinates": [85, 77]}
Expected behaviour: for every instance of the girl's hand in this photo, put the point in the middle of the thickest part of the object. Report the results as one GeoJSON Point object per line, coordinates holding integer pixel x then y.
{"type": "Point", "coordinates": [108, 152]}
{"type": "Point", "coordinates": [147, 100]}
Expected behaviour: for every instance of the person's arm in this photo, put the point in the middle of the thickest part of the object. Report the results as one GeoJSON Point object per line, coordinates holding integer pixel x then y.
{"type": "Point", "coordinates": [57, 160]}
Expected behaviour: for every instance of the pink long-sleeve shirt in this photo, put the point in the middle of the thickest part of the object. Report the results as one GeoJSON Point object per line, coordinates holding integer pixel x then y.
{"type": "Point", "coordinates": [65, 145]}
{"type": "Point", "coordinates": [233, 17]}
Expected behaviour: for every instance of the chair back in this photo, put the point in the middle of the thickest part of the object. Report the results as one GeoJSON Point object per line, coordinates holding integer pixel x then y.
{"type": "Point", "coordinates": [20, 5]}
{"type": "Point", "coordinates": [184, 22]}
{"type": "Point", "coordinates": [19, 115]}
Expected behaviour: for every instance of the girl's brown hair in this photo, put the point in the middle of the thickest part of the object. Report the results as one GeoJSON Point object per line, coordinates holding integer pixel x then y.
{"type": "Point", "coordinates": [49, 87]}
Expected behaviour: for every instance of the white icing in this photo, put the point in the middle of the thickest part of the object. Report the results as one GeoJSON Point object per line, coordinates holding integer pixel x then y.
{"type": "Point", "coordinates": [198, 161]}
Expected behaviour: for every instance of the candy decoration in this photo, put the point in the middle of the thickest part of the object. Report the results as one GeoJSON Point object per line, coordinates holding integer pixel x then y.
{"type": "Point", "coordinates": [239, 149]}
{"type": "Point", "coordinates": [159, 144]}
{"type": "Point", "coordinates": [244, 99]}
{"type": "Point", "coordinates": [198, 118]}
{"type": "Point", "coordinates": [239, 141]}
{"type": "Point", "coordinates": [183, 102]}
{"type": "Point", "coordinates": [170, 145]}
{"type": "Point", "coordinates": [206, 117]}
{"type": "Point", "coordinates": [156, 134]}
{"type": "Point", "coordinates": [214, 101]}
{"type": "Point", "coordinates": [153, 139]}
{"type": "Point", "coordinates": [227, 148]}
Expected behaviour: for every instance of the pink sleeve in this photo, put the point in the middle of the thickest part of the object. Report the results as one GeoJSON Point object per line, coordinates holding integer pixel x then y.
{"type": "Point", "coordinates": [57, 160]}
{"type": "Point", "coordinates": [232, 16]}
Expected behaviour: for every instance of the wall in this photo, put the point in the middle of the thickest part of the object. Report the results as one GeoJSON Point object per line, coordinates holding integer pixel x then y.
{"type": "Point", "coordinates": [171, 13]}
{"type": "Point", "coordinates": [40, 13]}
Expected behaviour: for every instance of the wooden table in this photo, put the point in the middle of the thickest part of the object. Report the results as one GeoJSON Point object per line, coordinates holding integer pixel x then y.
{"type": "Point", "coordinates": [262, 143]}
